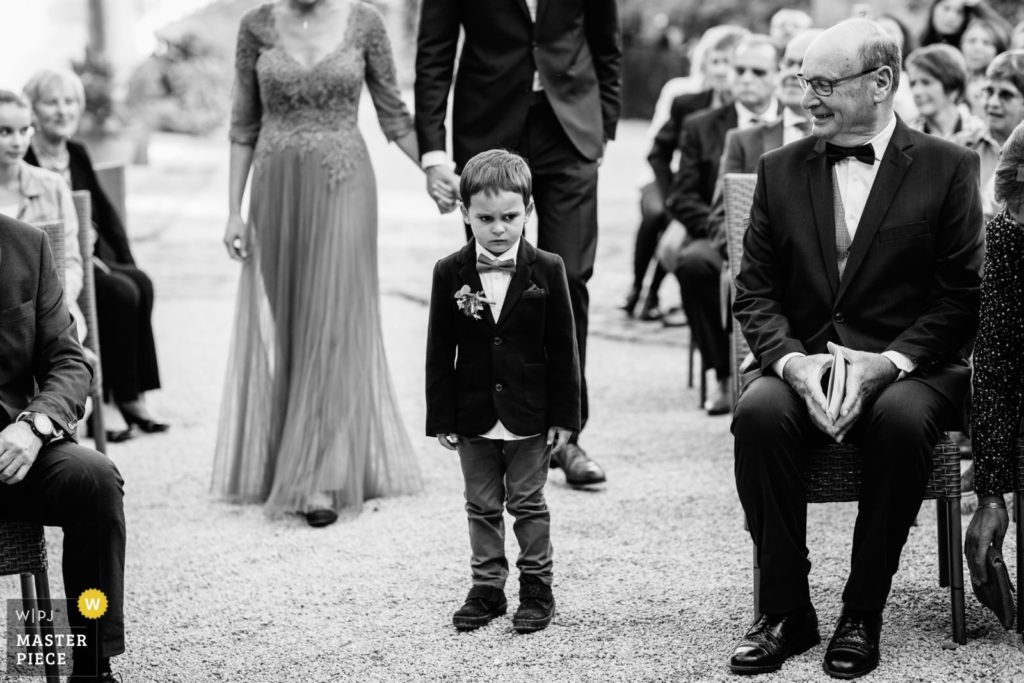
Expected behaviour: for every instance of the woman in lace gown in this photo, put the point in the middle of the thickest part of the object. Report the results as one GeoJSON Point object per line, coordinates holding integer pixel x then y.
{"type": "Point", "coordinates": [309, 421]}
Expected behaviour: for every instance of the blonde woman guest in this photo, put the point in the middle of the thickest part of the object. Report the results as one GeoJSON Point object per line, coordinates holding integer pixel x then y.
{"type": "Point", "coordinates": [35, 195]}
{"type": "Point", "coordinates": [983, 39]}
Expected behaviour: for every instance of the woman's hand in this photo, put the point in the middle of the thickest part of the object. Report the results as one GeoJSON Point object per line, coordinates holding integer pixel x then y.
{"type": "Point", "coordinates": [236, 238]}
{"type": "Point", "coordinates": [987, 528]}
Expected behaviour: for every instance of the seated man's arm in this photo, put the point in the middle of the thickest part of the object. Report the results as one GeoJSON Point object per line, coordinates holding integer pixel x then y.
{"type": "Point", "coordinates": [949, 317]}
{"type": "Point", "coordinates": [62, 373]}
{"type": "Point", "coordinates": [663, 150]}
{"type": "Point", "coordinates": [684, 201]}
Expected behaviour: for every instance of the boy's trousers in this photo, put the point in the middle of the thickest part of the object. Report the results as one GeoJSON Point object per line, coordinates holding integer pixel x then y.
{"type": "Point", "coordinates": [509, 473]}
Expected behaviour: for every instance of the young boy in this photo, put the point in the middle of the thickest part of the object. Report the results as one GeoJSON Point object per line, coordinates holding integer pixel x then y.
{"type": "Point", "coordinates": [503, 384]}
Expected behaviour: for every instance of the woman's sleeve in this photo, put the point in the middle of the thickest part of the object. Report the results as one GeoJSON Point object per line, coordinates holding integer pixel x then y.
{"type": "Point", "coordinates": [999, 359]}
{"type": "Point", "coordinates": [392, 113]}
{"type": "Point", "coordinates": [246, 108]}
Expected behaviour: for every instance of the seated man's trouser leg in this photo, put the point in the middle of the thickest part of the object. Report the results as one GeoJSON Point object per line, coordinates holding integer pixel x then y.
{"type": "Point", "coordinates": [80, 490]}
{"type": "Point", "coordinates": [773, 432]}
{"type": "Point", "coordinates": [699, 274]}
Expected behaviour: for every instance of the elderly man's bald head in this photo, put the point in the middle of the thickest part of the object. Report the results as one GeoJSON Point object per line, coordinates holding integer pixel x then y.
{"type": "Point", "coordinates": [861, 44]}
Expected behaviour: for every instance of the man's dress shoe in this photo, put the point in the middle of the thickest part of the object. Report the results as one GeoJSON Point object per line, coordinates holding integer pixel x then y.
{"type": "Point", "coordinates": [579, 469]}
{"type": "Point", "coordinates": [483, 604]}
{"type": "Point", "coordinates": [773, 639]}
{"type": "Point", "coordinates": [853, 650]}
{"type": "Point", "coordinates": [320, 517]}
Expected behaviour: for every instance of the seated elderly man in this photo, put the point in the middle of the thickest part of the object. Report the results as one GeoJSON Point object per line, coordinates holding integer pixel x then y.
{"type": "Point", "coordinates": [45, 477]}
{"type": "Point", "coordinates": [865, 235]}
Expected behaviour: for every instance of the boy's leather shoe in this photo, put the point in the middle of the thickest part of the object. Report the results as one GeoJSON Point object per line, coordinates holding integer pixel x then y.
{"type": "Point", "coordinates": [483, 604]}
{"type": "Point", "coordinates": [853, 650]}
{"type": "Point", "coordinates": [536, 607]}
{"type": "Point", "coordinates": [579, 469]}
{"type": "Point", "coordinates": [773, 639]}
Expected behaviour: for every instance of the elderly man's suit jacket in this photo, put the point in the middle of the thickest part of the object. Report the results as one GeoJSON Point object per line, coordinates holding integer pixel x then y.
{"type": "Point", "coordinates": [42, 366]}
{"type": "Point", "coordinates": [911, 282]}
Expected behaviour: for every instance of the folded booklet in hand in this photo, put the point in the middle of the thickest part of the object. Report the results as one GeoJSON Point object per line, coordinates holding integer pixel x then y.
{"type": "Point", "coordinates": [997, 592]}
{"type": "Point", "coordinates": [833, 382]}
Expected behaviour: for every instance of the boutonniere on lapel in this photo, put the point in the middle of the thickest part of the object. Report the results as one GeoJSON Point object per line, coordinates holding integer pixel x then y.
{"type": "Point", "coordinates": [470, 302]}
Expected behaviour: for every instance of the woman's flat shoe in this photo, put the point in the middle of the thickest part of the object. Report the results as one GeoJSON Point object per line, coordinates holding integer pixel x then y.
{"type": "Point", "coordinates": [113, 435]}
{"type": "Point", "coordinates": [321, 517]}
{"type": "Point", "coordinates": [147, 425]}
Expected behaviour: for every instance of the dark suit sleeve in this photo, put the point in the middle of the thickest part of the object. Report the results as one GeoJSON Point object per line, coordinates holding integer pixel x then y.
{"type": "Point", "coordinates": [442, 406]}
{"type": "Point", "coordinates": [758, 304]}
{"type": "Point", "coordinates": [732, 162]}
{"type": "Point", "coordinates": [949, 318]}
{"type": "Point", "coordinates": [563, 356]}
{"type": "Point", "coordinates": [663, 149]}
{"type": "Point", "coordinates": [61, 371]}
{"type": "Point", "coordinates": [436, 44]}
{"type": "Point", "coordinates": [684, 201]}
{"type": "Point", "coordinates": [604, 40]}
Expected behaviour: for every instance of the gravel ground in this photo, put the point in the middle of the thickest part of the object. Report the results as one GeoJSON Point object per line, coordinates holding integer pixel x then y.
{"type": "Point", "coordinates": [652, 570]}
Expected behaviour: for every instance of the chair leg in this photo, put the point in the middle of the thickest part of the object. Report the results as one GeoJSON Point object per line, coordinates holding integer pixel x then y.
{"type": "Point", "coordinates": [689, 375]}
{"type": "Point", "coordinates": [703, 383]}
{"type": "Point", "coordinates": [1018, 515]}
{"type": "Point", "coordinates": [757, 586]}
{"type": "Point", "coordinates": [943, 526]}
{"type": "Point", "coordinates": [956, 570]}
{"type": "Point", "coordinates": [29, 603]}
{"type": "Point", "coordinates": [99, 433]}
{"type": "Point", "coordinates": [50, 665]}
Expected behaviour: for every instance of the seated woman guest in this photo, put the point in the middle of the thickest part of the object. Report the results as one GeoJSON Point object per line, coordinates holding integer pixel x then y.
{"type": "Point", "coordinates": [124, 293]}
{"type": "Point", "coordinates": [998, 403]}
{"type": "Point", "coordinates": [983, 39]}
{"type": "Point", "coordinates": [1004, 110]}
{"type": "Point", "coordinates": [34, 195]}
{"type": "Point", "coordinates": [938, 76]}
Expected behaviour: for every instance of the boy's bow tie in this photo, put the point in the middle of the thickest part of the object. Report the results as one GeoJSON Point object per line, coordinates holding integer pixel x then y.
{"type": "Point", "coordinates": [486, 264]}
{"type": "Point", "coordinates": [862, 153]}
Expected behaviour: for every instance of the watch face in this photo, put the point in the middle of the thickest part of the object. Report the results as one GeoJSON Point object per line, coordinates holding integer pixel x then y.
{"type": "Point", "coordinates": [42, 424]}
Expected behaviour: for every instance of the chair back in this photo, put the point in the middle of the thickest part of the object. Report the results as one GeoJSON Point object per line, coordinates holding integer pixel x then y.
{"type": "Point", "coordinates": [739, 194]}
{"type": "Point", "coordinates": [111, 176]}
{"type": "Point", "coordinates": [55, 235]}
{"type": "Point", "coordinates": [87, 297]}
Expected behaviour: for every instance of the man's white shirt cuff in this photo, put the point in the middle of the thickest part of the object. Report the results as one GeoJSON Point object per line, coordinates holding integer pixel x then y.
{"type": "Point", "coordinates": [780, 364]}
{"type": "Point", "coordinates": [902, 362]}
{"type": "Point", "coordinates": [436, 158]}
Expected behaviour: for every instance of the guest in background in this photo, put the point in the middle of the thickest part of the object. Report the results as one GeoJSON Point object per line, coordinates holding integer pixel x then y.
{"type": "Point", "coordinates": [124, 293]}
{"type": "Point", "coordinates": [947, 20]}
{"type": "Point", "coordinates": [713, 63]}
{"type": "Point", "coordinates": [998, 402]}
{"type": "Point", "coordinates": [898, 31]}
{"type": "Point", "coordinates": [1004, 110]}
{"type": "Point", "coordinates": [938, 77]}
{"type": "Point", "coordinates": [35, 195]}
{"type": "Point", "coordinates": [786, 23]}
{"type": "Point", "coordinates": [983, 39]}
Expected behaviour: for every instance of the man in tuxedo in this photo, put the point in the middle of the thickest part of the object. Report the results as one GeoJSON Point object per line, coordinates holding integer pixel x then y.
{"type": "Point", "coordinates": [866, 235]}
{"type": "Point", "coordinates": [541, 78]}
{"type": "Point", "coordinates": [45, 477]}
{"type": "Point", "coordinates": [755, 63]}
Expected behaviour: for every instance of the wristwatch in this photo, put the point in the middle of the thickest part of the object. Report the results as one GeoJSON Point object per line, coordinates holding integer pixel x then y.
{"type": "Point", "coordinates": [41, 425]}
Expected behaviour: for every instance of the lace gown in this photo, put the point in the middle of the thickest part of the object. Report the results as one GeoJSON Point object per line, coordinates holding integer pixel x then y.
{"type": "Point", "coordinates": [308, 403]}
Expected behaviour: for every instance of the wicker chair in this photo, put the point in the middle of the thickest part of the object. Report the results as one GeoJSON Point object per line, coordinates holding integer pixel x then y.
{"type": "Point", "coordinates": [22, 544]}
{"type": "Point", "coordinates": [87, 302]}
{"type": "Point", "coordinates": [832, 474]}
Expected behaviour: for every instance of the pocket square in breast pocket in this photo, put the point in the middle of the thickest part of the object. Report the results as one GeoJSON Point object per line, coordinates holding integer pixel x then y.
{"type": "Point", "coordinates": [533, 291]}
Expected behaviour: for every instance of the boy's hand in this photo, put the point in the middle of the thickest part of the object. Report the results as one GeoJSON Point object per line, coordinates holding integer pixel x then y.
{"type": "Point", "coordinates": [558, 438]}
{"type": "Point", "coordinates": [448, 440]}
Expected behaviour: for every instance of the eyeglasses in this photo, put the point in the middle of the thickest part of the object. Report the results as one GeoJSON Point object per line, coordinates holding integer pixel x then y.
{"type": "Point", "coordinates": [823, 87]}
{"type": "Point", "coordinates": [758, 72]}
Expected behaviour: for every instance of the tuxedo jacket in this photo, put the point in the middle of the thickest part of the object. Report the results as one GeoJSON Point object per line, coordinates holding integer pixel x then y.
{"type": "Point", "coordinates": [911, 282]}
{"type": "Point", "coordinates": [574, 46]}
{"type": "Point", "coordinates": [111, 237]}
{"type": "Point", "coordinates": [42, 366]}
{"type": "Point", "coordinates": [667, 140]}
{"type": "Point", "coordinates": [743, 150]}
{"type": "Point", "coordinates": [523, 368]}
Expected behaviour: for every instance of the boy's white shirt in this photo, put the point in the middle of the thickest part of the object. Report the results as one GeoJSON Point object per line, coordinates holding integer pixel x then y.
{"type": "Point", "coordinates": [495, 284]}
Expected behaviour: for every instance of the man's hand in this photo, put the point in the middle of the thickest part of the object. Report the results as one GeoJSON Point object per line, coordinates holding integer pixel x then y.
{"type": "Point", "coordinates": [803, 373]}
{"type": "Point", "coordinates": [443, 187]}
{"type": "Point", "coordinates": [987, 528]}
{"type": "Point", "coordinates": [867, 375]}
{"type": "Point", "coordinates": [449, 441]}
{"type": "Point", "coordinates": [18, 450]}
{"type": "Point", "coordinates": [558, 437]}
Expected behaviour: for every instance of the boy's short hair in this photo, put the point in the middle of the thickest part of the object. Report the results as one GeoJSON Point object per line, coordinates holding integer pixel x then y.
{"type": "Point", "coordinates": [494, 171]}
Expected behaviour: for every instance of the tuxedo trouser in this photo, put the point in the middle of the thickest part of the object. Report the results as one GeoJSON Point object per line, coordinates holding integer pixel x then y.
{"type": "Point", "coordinates": [124, 307]}
{"type": "Point", "coordinates": [699, 273]}
{"type": "Point", "coordinates": [80, 490]}
{"type": "Point", "coordinates": [509, 474]}
{"type": "Point", "coordinates": [773, 432]}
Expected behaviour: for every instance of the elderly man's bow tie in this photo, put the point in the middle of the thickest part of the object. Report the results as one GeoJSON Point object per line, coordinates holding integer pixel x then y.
{"type": "Point", "coordinates": [863, 153]}
{"type": "Point", "coordinates": [486, 264]}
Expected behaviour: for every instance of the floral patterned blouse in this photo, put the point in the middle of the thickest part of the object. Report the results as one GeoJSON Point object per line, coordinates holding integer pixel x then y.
{"type": "Point", "coordinates": [999, 358]}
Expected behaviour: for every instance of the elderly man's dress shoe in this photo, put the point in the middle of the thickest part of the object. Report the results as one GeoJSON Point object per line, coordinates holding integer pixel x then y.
{"type": "Point", "coordinates": [483, 604]}
{"type": "Point", "coordinates": [853, 650]}
{"type": "Point", "coordinates": [579, 469]}
{"type": "Point", "coordinates": [773, 639]}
